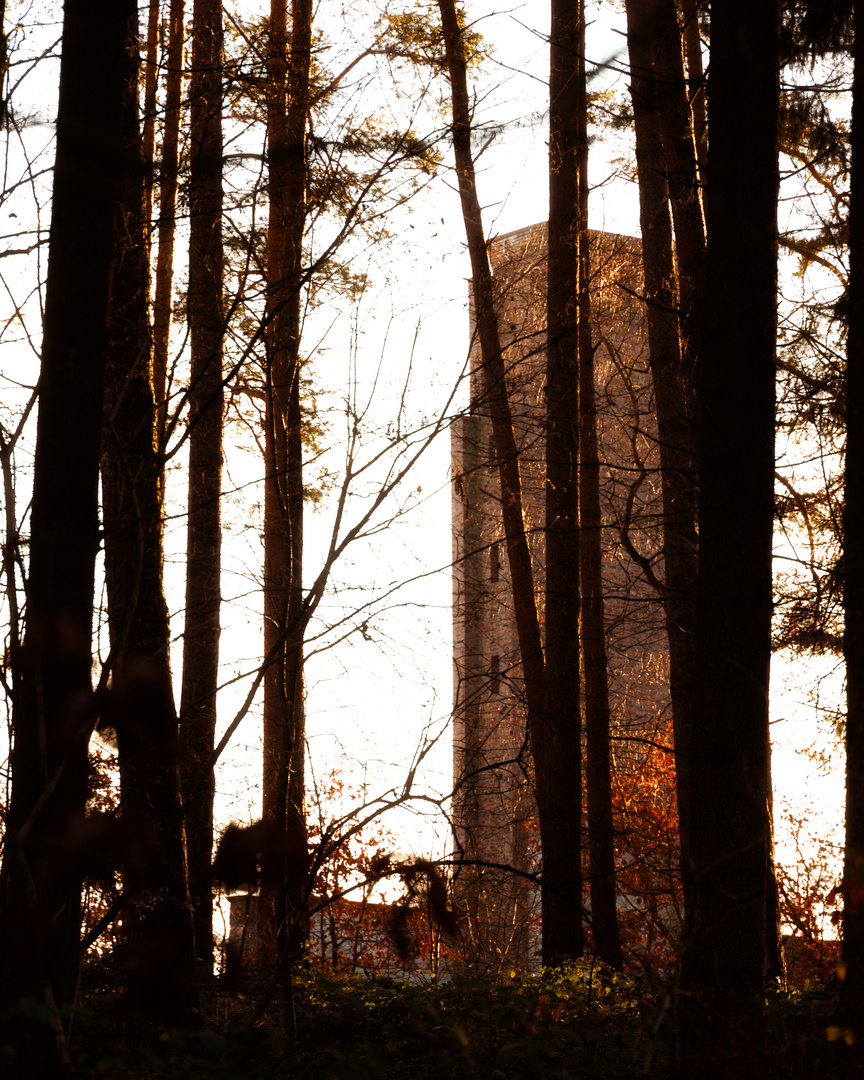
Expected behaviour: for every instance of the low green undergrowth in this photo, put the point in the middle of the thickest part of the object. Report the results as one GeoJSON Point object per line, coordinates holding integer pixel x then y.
{"type": "Point", "coordinates": [575, 1022]}
{"type": "Point", "coordinates": [572, 1023]}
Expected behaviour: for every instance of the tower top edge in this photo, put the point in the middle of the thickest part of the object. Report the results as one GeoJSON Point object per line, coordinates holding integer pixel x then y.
{"type": "Point", "coordinates": [539, 228]}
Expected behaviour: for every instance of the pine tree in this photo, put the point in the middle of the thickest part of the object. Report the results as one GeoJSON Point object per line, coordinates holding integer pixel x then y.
{"type": "Point", "coordinates": [288, 108]}
{"type": "Point", "coordinates": [203, 545]}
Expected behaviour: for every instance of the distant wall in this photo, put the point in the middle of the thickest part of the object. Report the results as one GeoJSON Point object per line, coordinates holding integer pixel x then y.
{"type": "Point", "coordinates": [494, 807]}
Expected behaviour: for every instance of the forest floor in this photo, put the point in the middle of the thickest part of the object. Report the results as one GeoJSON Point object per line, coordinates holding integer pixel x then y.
{"type": "Point", "coordinates": [356, 1028]}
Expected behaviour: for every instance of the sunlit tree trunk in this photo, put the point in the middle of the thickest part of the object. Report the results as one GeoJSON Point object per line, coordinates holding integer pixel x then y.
{"type": "Point", "coordinates": [151, 72]}
{"type": "Point", "coordinates": [288, 105]}
{"type": "Point", "coordinates": [203, 543]}
{"type": "Point", "coordinates": [723, 969]}
{"type": "Point", "coordinates": [682, 173]}
{"type": "Point", "coordinates": [696, 80]}
{"type": "Point", "coordinates": [41, 892]}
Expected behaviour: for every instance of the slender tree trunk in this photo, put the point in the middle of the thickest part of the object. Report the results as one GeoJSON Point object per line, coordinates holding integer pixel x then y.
{"type": "Point", "coordinates": [41, 879]}
{"type": "Point", "coordinates": [4, 64]}
{"type": "Point", "coordinates": [598, 745]}
{"type": "Point", "coordinates": [550, 742]}
{"type": "Point", "coordinates": [682, 173]}
{"type": "Point", "coordinates": [168, 167]}
{"type": "Point", "coordinates": [723, 976]}
{"type": "Point", "coordinates": [203, 543]}
{"type": "Point", "coordinates": [852, 992]}
{"type": "Point", "coordinates": [696, 81]}
{"type": "Point", "coordinates": [598, 721]}
{"type": "Point", "coordinates": [284, 626]}
{"type": "Point", "coordinates": [151, 72]}
{"type": "Point", "coordinates": [562, 910]}
{"type": "Point", "coordinates": [573, 473]}
{"type": "Point", "coordinates": [677, 426]}
{"type": "Point", "coordinates": [143, 712]}
{"type": "Point", "coordinates": [775, 959]}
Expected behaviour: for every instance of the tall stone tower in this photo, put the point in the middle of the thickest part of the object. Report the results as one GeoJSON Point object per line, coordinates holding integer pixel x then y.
{"type": "Point", "coordinates": [493, 807]}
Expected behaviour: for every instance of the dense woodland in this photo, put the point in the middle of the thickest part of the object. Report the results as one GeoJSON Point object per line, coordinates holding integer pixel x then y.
{"type": "Point", "coordinates": [211, 178]}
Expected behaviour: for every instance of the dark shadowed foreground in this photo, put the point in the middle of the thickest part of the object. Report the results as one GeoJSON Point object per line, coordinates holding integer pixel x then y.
{"type": "Point", "coordinates": [573, 1024]}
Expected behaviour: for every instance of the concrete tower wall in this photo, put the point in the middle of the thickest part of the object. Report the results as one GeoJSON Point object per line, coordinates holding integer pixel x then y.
{"type": "Point", "coordinates": [494, 805]}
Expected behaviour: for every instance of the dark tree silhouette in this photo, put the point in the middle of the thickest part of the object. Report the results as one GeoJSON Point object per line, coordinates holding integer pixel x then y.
{"type": "Point", "coordinates": [203, 538]}
{"type": "Point", "coordinates": [852, 1001]}
{"type": "Point", "coordinates": [566, 300]}
{"type": "Point", "coordinates": [41, 878]}
{"type": "Point", "coordinates": [166, 221]}
{"type": "Point", "coordinates": [723, 971]}
{"type": "Point", "coordinates": [289, 63]}
{"type": "Point", "coordinates": [142, 710]}
{"type": "Point", "coordinates": [676, 405]}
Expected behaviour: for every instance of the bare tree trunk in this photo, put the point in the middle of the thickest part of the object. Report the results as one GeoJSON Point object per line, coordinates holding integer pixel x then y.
{"type": "Point", "coordinates": [550, 742]}
{"type": "Point", "coordinates": [723, 976]}
{"type": "Point", "coordinates": [775, 959]}
{"type": "Point", "coordinates": [143, 712]}
{"type": "Point", "coordinates": [696, 81]}
{"type": "Point", "coordinates": [572, 476]}
{"type": "Point", "coordinates": [852, 993]}
{"type": "Point", "coordinates": [4, 64]}
{"type": "Point", "coordinates": [168, 167]}
{"type": "Point", "coordinates": [41, 879]}
{"type": "Point", "coordinates": [598, 721]}
{"type": "Point", "coordinates": [203, 544]}
{"type": "Point", "coordinates": [682, 174]}
{"type": "Point", "coordinates": [151, 72]}
{"type": "Point", "coordinates": [284, 625]}
{"type": "Point", "coordinates": [677, 426]}
{"type": "Point", "coordinates": [562, 909]}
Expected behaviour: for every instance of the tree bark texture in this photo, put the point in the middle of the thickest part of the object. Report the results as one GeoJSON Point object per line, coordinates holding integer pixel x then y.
{"type": "Point", "coordinates": [151, 73]}
{"type": "Point", "coordinates": [852, 991]}
{"type": "Point", "coordinates": [288, 107]}
{"type": "Point", "coordinates": [42, 864]}
{"type": "Point", "coordinates": [723, 978]}
{"type": "Point", "coordinates": [142, 708]}
{"type": "Point", "coordinates": [696, 96]}
{"type": "Point", "coordinates": [677, 420]}
{"type": "Point", "coordinates": [566, 297]}
{"type": "Point", "coordinates": [203, 538]}
{"type": "Point", "coordinates": [682, 173]}
{"type": "Point", "coordinates": [166, 225]}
